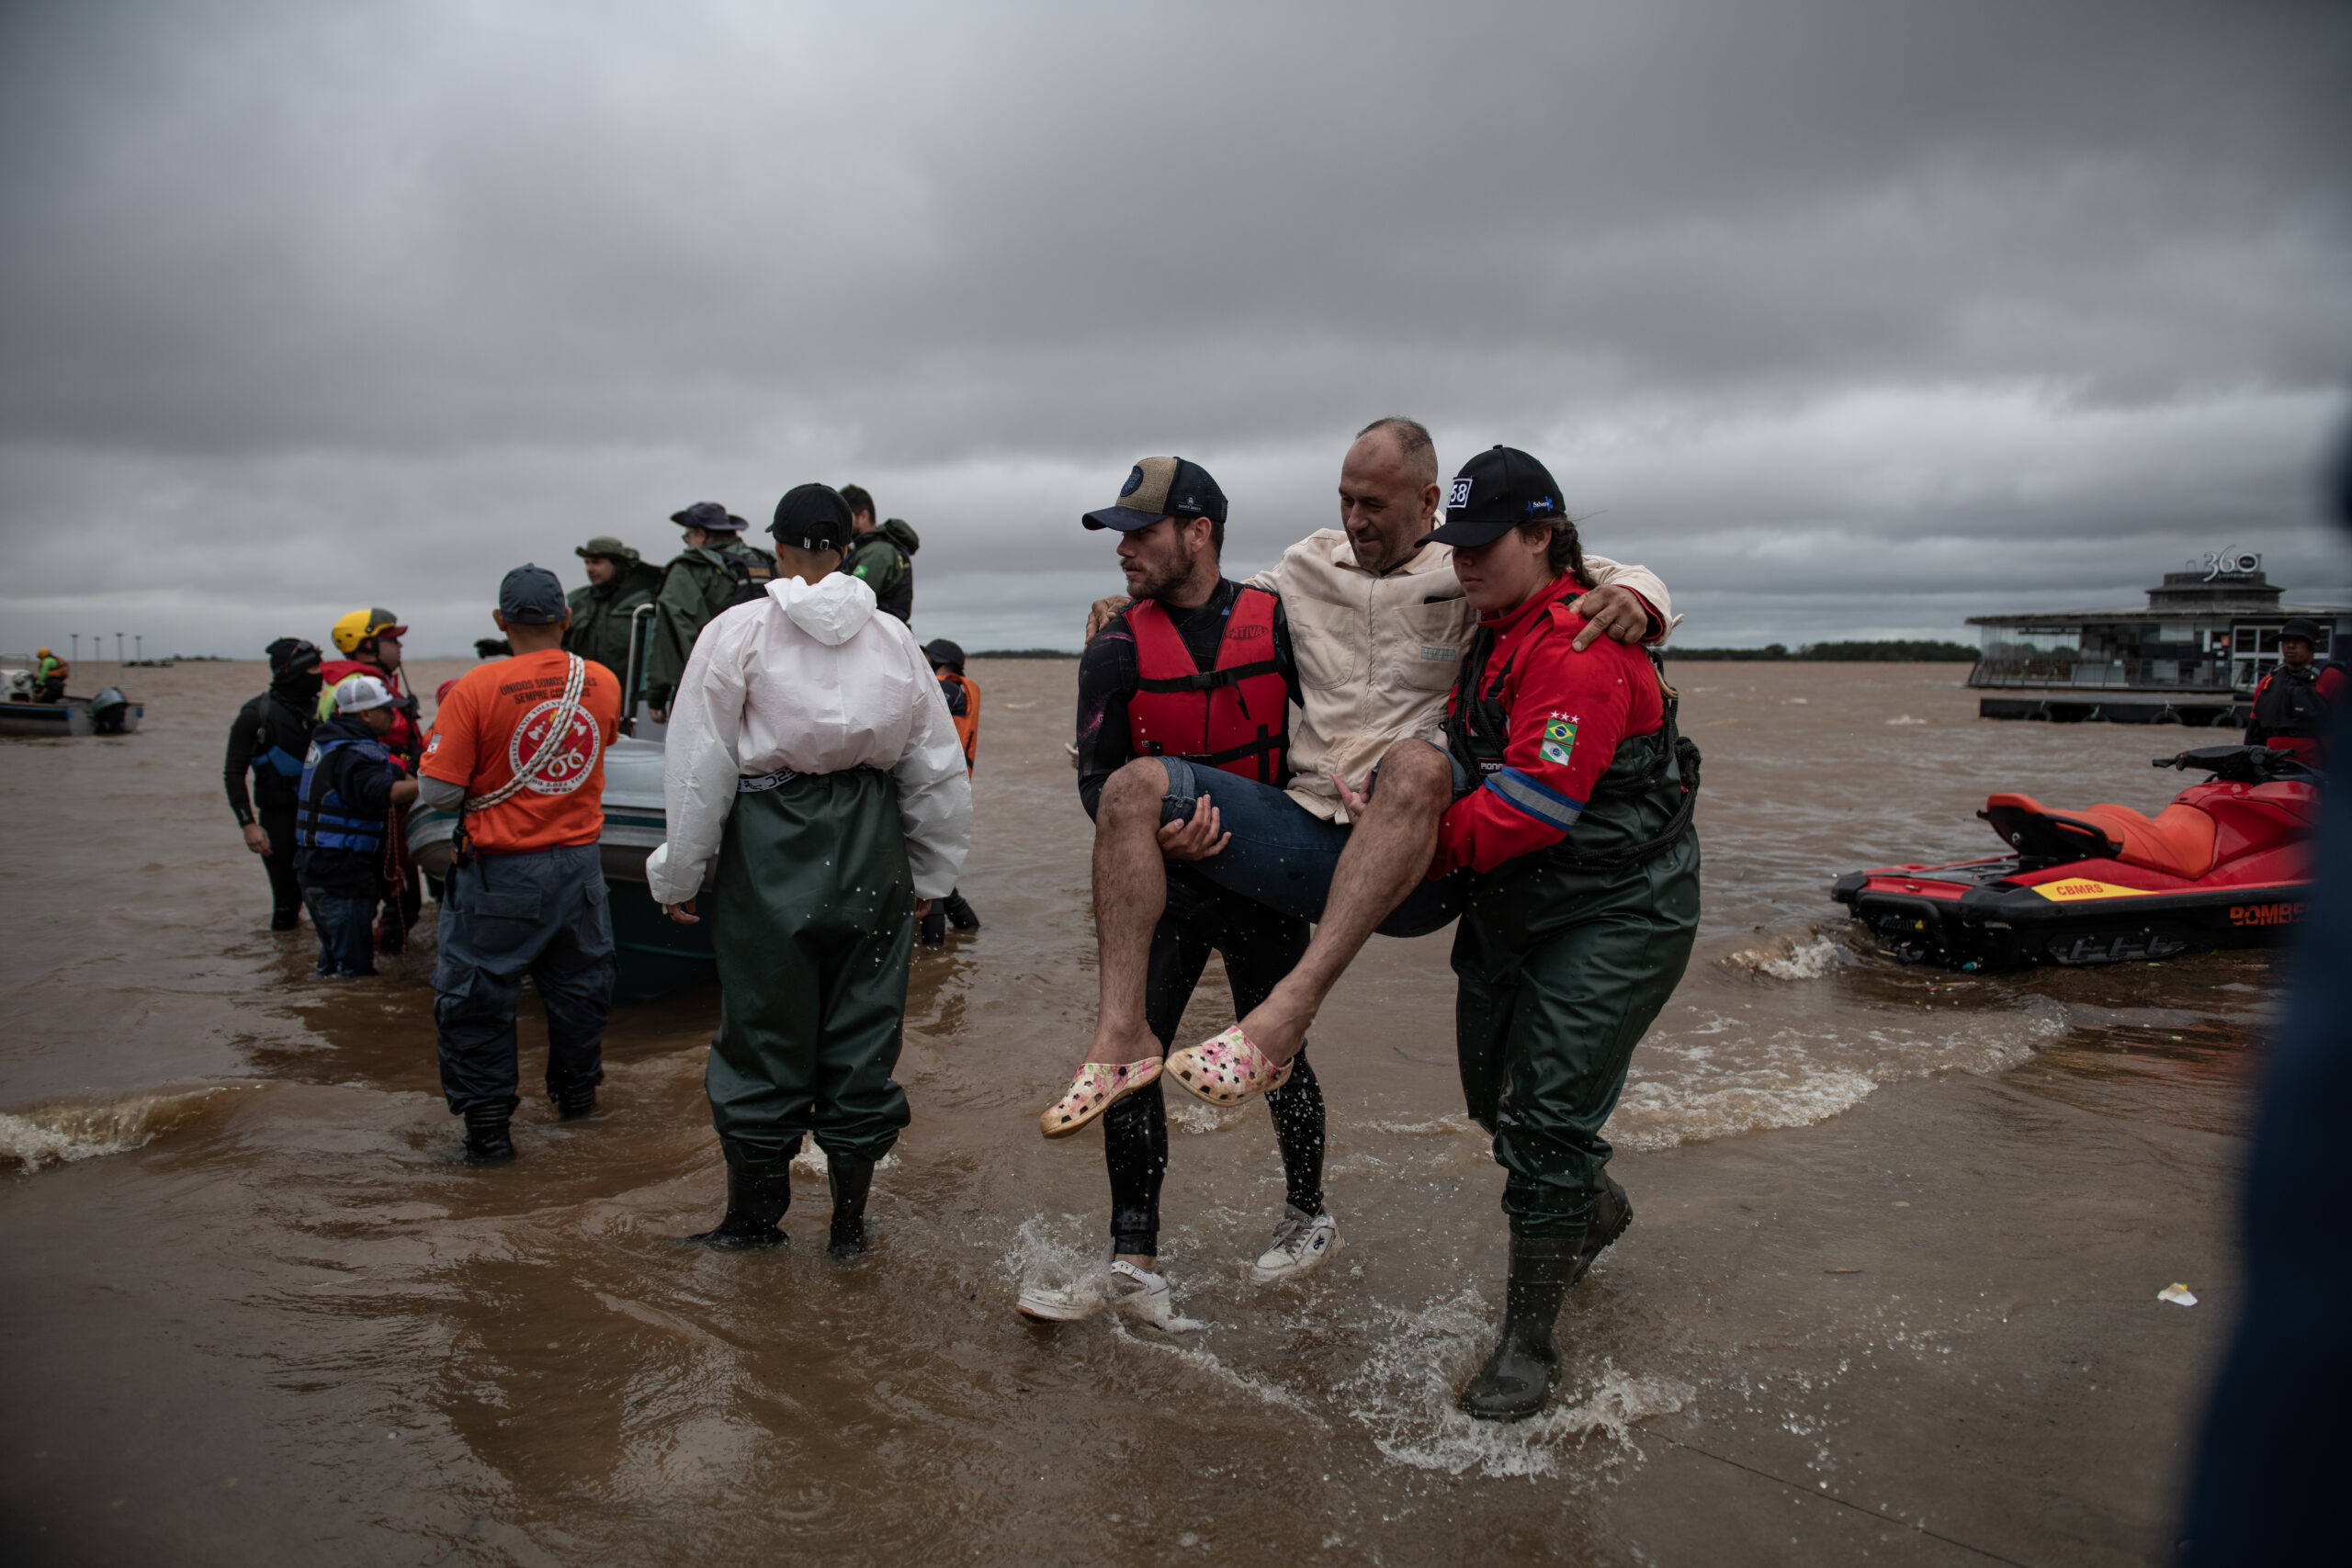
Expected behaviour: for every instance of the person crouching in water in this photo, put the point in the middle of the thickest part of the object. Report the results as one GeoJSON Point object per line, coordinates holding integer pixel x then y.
{"type": "Point", "coordinates": [962, 694]}
{"type": "Point", "coordinates": [813, 767]}
{"type": "Point", "coordinates": [350, 785]}
{"type": "Point", "coordinates": [1586, 897]}
{"type": "Point", "coordinates": [517, 751]}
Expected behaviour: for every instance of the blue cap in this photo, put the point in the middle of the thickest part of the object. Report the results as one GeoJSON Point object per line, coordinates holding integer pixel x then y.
{"type": "Point", "coordinates": [530, 596]}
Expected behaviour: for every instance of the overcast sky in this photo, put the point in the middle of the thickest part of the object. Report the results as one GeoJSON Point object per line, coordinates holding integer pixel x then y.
{"type": "Point", "coordinates": [1851, 318]}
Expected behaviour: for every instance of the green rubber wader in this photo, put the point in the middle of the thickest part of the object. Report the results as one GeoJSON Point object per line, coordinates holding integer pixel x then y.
{"type": "Point", "coordinates": [813, 922]}
{"type": "Point", "coordinates": [1562, 971]}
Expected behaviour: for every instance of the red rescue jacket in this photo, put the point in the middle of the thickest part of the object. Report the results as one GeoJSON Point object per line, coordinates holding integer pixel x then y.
{"type": "Point", "coordinates": [406, 741]}
{"type": "Point", "coordinates": [1234, 717]}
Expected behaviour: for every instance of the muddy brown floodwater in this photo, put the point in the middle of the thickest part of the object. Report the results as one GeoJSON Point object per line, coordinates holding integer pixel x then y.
{"type": "Point", "coordinates": [1891, 1294]}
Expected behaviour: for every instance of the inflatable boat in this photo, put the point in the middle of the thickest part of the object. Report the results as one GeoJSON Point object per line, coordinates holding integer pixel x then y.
{"type": "Point", "coordinates": [2226, 865]}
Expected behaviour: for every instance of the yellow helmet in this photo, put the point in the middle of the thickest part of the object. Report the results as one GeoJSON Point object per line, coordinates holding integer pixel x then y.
{"type": "Point", "coordinates": [43, 653]}
{"type": "Point", "coordinates": [365, 625]}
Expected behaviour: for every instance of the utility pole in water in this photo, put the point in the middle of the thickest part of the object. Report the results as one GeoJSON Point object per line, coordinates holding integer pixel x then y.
{"type": "Point", "coordinates": [117, 650]}
{"type": "Point", "coordinates": [139, 647]}
{"type": "Point", "coordinates": [77, 647]}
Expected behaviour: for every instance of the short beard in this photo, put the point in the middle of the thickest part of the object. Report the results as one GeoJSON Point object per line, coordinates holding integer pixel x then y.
{"type": "Point", "coordinates": [1158, 584]}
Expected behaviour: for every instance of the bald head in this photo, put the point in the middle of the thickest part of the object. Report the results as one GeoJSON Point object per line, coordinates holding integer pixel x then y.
{"type": "Point", "coordinates": [1388, 492]}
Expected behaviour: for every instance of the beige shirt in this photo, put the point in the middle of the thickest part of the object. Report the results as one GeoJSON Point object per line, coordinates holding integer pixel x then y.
{"type": "Point", "coordinates": [1376, 655]}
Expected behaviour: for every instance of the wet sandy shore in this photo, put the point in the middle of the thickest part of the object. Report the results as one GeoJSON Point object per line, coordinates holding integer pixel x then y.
{"type": "Point", "coordinates": [1890, 1293]}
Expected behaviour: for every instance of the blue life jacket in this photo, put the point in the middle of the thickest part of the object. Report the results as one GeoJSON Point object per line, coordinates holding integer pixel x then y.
{"type": "Point", "coordinates": [321, 821]}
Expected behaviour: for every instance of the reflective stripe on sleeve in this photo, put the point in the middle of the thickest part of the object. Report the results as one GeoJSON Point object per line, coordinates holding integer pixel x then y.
{"type": "Point", "coordinates": [1547, 806]}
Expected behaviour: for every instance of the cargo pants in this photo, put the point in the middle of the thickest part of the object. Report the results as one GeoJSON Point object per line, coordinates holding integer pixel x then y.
{"type": "Point", "coordinates": [542, 913]}
{"type": "Point", "coordinates": [813, 926]}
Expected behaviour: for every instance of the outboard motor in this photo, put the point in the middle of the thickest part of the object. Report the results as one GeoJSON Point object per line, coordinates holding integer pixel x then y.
{"type": "Point", "coordinates": [107, 711]}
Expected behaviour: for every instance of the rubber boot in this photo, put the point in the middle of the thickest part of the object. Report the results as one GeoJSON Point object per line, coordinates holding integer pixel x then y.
{"type": "Point", "coordinates": [1613, 1214]}
{"type": "Point", "coordinates": [853, 1179]}
{"type": "Point", "coordinates": [754, 1204]}
{"type": "Point", "coordinates": [391, 937]}
{"type": "Point", "coordinates": [933, 928]}
{"type": "Point", "coordinates": [1520, 1376]}
{"type": "Point", "coordinates": [488, 1141]}
{"type": "Point", "coordinates": [578, 1100]}
{"type": "Point", "coordinates": [960, 913]}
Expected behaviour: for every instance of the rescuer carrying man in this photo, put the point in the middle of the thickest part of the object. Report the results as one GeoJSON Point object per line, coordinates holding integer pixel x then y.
{"type": "Point", "coordinates": [49, 677]}
{"type": "Point", "coordinates": [603, 607]}
{"type": "Point", "coordinates": [269, 739]}
{"type": "Point", "coordinates": [963, 697]}
{"type": "Point", "coordinates": [2295, 705]}
{"type": "Point", "coordinates": [826, 835]}
{"type": "Point", "coordinates": [716, 569]}
{"type": "Point", "coordinates": [518, 752]}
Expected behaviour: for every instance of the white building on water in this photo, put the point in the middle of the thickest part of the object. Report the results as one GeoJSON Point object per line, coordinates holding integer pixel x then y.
{"type": "Point", "coordinates": [2192, 656]}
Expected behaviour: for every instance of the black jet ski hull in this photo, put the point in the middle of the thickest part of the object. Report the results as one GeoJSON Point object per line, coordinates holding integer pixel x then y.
{"type": "Point", "coordinates": [1973, 916]}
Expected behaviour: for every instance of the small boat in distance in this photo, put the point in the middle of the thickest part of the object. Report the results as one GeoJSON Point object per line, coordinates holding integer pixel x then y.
{"type": "Point", "coordinates": [110, 712]}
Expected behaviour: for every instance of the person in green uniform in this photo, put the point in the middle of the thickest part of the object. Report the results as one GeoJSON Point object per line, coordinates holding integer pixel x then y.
{"type": "Point", "coordinates": [715, 569]}
{"type": "Point", "coordinates": [881, 555]}
{"type": "Point", "coordinates": [601, 609]}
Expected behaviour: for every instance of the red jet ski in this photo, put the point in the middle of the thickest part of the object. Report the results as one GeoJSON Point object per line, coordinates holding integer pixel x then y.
{"type": "Point", "coordinates": [2228, 863]}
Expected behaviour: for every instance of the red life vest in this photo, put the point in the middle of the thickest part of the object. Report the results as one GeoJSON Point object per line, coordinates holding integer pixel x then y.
{"type": "Point", "coordinates": [1236, 716]}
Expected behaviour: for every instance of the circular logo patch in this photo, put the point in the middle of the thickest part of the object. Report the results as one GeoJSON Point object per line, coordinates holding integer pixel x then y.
{"type": "Point", "coordinates": [576, 754]}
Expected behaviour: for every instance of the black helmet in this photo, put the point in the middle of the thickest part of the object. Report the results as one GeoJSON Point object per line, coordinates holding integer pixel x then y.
{"type": "Point", "coordinates": [942, 651]}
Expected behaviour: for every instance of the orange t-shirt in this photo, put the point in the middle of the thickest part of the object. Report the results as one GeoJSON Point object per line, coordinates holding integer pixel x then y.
{"type": "Point", "coordinates": [495, 719]}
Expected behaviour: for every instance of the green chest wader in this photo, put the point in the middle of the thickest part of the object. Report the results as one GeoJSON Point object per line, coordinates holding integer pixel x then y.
{"type": "Point", "coordinates": [1566, 956]}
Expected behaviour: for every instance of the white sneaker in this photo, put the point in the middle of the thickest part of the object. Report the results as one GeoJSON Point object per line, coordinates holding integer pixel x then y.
{"type": "Point", "coordinates": [1123, 1288]}
{"type": "Point", "coordinates": [1301, 1242]}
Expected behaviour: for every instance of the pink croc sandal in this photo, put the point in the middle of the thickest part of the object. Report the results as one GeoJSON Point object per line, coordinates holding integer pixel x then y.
{"type": "Point", "coordinates": [1227, 1070]}
{"type": "Point", "coordinates": [1098, 1087]}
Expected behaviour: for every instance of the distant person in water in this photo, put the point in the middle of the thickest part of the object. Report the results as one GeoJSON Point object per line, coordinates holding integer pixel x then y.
{"type": "Point", "coordinates": [2295, 705]}
{"type": "Point", "coordinates": [962, 694]}
{"type": "Point", "coordinates": [269, 739]}
{"type": "Point", "coordinates": [519, 753]}
{"type": "Point", "coordinates": [814, 776]}
{"type": "Point", "coordinates": [349, 797]}
{"type": "Point", "coordinates": [50, 674]}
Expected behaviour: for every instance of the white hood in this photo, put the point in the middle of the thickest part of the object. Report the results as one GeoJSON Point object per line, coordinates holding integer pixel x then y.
{"type": "Point", "coordinates": [832, 610]}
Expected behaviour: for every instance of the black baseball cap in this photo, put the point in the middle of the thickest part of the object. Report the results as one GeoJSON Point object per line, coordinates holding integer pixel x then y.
{"type": "Point", "coordinates": [811, 517]}
{"type": "Point", "coordinates": [1500, 489]}
{"type": "Point", "coordinates": [940, 651]}
{"type": "Point", "coordinates": [530, 596]}
{"type": "Point", "coordinates": [290, 656]}
{"type": "Point", "coordinates": [710, 516]}
{"type": "Point", "coordinates": [1157, 487]}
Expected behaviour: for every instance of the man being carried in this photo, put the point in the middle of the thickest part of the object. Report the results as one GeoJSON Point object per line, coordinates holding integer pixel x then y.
{"type": "Point", "coordinates": [269, 739]}
{"type": "Point", "coordinates": [716, 569]}
{"type": "Point", "coordinates": [603, 609]}
{"type": "Point", "coordinates": [1379, 624]}
{"type": "Point", "coordinates": [2295, 704]}
{"type": "Point", "coordinates": [882, 554]}
{"type": "Point", "coordinates": [1142, 693]}
{"type": "Point", "coordinates": [518, 751]}
{"type": "Point", "coordinates": [813, 769]}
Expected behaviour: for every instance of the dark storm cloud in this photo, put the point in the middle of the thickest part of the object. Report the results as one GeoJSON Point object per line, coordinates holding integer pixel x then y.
{"type": "Point", "coordinates": [1828, 309]}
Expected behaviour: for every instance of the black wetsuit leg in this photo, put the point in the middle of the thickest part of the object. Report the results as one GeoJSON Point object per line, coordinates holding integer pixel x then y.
{"type": "Point", "coordinates": [284, 890]}
{"type": "Point", "coordinates": [1259, 948]}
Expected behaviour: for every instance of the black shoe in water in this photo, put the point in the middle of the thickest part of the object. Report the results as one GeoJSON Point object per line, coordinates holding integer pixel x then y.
{"type": "Point", "coordinates": [578, 1100]}
{"type": "Point", "coordinates": [755, 1204]}
{"type": "Point", "coordinates": [932, 931]}
{"type": "Point", "coordinates": [1520, 1376]}
{"type": "Point", "coordinates": [960, 913]}
{"type": "Point", "coordinates": [853, 1179]}
{"type": "Point", "coordinates": [1612, 1214]}
{"type": "Point", "coordinates": [487, 1140]}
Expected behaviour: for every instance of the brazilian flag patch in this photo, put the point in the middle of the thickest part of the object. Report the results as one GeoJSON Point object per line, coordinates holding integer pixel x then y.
{"type": "Point", "coordinates": [1559, 740]}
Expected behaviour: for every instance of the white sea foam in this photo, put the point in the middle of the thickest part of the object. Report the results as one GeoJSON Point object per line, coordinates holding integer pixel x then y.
{"type": "Point", "coordinates": [810, 1160]}
{"type": "Point", "coordinates": [1802, 956]}
{"type": "Point", "coordinates": [1189, 1115]}
{"type": "Point", "coordinates": [1404, 1397]}
{"type": "Point", "coordinates": [60, 1134]}
{"type": "Point", "coordinates": [1905, 718]}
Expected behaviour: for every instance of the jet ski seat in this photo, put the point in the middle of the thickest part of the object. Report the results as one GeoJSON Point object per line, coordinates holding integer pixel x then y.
{"type": "Point", "coordinates": [2178, 840]}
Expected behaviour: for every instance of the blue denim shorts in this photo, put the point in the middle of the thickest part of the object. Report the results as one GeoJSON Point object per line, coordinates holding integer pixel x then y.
{"type": "Point", "coordinates": [1282, 855]}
